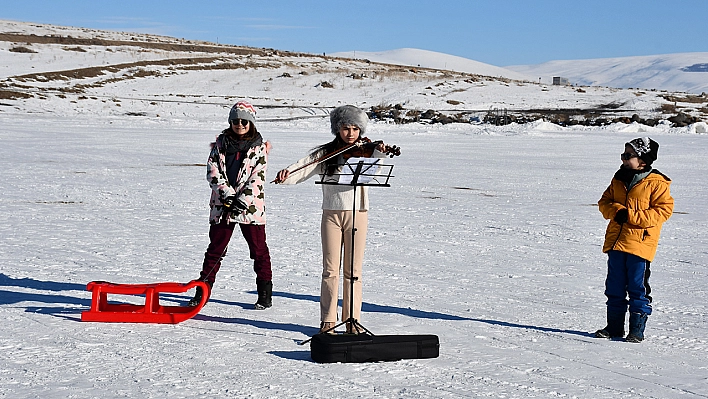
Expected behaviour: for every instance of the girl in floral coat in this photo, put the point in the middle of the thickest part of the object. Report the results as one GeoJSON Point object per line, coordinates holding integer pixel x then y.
{"type": "Point", "coordinates": [236, 171]}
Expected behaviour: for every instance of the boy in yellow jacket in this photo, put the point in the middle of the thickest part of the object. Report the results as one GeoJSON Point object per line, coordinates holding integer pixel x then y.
{"type": "Point", "coordinates": [637, 203]}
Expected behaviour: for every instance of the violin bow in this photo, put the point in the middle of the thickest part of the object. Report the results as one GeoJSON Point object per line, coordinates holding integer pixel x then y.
{"type": "Point", "coordinates": [325, 157]}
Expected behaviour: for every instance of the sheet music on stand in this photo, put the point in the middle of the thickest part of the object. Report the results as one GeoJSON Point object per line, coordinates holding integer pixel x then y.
{"type": "Point", "coordinates": [364, 171]}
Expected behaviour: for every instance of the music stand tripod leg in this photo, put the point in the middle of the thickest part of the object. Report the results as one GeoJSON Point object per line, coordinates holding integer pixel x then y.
{"type": "Point", "coordinates": [354, 324]}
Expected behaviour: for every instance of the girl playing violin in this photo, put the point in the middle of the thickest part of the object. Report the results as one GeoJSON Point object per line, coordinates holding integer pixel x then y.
{"type": "Point", "coordinates": [348, 125]}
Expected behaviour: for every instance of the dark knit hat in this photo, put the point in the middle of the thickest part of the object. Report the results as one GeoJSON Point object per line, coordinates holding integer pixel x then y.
{"type": "Point", "coordinates": [646, 148]}
{"type": "Point", "coordinates": [348, 115]}
{"type": "Point", "coordinates": [243, 110]}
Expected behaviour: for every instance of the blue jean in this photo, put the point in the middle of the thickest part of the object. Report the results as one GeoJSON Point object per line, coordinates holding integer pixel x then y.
{"type": "Point", "coordinates": [627, 275]}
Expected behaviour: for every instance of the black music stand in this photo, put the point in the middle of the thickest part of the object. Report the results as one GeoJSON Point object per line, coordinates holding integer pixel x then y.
{"type": "Point", "coordinates": [356, 172]}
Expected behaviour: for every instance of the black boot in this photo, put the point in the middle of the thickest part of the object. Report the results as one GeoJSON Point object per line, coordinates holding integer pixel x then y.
{"type": "Point", "coordinates": [265, 294]}
{"type": "Point", "coordinates": [615, 325]}
{"type": "Point", "coordinates": [198, 295]}
{"type": "Point", "coordinates": [637, 323]}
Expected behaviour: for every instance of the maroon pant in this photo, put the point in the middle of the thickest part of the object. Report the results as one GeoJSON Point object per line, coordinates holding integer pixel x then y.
{"type": "Point", "coordinates": [220, 235]}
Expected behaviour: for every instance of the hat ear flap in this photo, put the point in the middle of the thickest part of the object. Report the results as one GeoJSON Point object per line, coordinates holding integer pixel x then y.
{"type": "Point", "coordinates": [654, 147]}
{"type": "Point", "coordinates": [653, 151]}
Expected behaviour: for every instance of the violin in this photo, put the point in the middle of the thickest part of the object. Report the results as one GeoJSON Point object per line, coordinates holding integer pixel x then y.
{"type": "Point", "coordinates": [363, 147]}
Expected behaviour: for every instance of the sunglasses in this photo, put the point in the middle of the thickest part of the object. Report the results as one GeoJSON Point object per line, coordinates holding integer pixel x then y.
{"type": "Point", "coordinates": [242, 122]}
{"type": "Point", "coordinates": [628, 155]}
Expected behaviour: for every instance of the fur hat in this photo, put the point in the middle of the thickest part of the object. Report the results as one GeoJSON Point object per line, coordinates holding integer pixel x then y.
{"type": "Point", "coordinates": [243, 110]}
{"type": "Point", "coordinates": [646, 148]}
{"type": "Point", "coordinates": [348, 115]}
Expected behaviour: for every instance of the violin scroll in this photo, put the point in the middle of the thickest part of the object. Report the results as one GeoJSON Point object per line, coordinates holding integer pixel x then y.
{"type": "Point", "coordinates": [392, 150]}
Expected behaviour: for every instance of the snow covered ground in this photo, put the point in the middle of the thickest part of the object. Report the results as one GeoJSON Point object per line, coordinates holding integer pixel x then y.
{"type": "Point", "coordinates": [489, 238]}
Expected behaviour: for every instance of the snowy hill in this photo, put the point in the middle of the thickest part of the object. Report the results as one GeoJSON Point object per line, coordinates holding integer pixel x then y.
{"type": "Point", "coordinates": [687, 72]}
{"type": "Point", "coordinates": [684, 72]}
{"type": "Point", "coordinates": [82, 71]}
{"type": "Point", "coordinates": [432, 59]}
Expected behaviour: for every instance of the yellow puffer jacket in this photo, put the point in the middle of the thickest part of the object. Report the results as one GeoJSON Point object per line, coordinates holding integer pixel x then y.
{"type": "Point", "coordinates": [649, 204]}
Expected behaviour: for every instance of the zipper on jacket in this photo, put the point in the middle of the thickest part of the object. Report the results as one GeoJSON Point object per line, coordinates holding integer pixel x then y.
{"type": "Point", "coordinates": [626, 200]}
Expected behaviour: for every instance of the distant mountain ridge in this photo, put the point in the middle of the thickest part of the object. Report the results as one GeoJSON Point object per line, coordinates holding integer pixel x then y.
{"type": "Point", "coordinates": [431, 59]}
{"type": "Point", "coordinates": [69, 70]}
{"type": "Point", "coordinates": [679, 72]}
{"type": "Point", "coordinates": [673, 72]}
{"type": "Point", "coordinates": [683, 72]}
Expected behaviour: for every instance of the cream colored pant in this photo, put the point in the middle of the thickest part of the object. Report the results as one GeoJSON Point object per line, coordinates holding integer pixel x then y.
{"type": "Point", "coordinates": [337, 233]}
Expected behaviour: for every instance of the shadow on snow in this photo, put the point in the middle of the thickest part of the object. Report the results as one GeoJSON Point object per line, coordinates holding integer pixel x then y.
{"type": "Point", "coordinates": [14, 297]}
{"type": "Point", "coordinates": [537, 328]}
{"type": "Point", "coordinates": [373, 308]}
{"type": "Point", "coordinates": [267, 325]}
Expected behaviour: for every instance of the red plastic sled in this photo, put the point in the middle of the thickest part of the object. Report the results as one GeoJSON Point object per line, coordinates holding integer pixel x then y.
{"type": "Point", "coordinates": [150, 312]}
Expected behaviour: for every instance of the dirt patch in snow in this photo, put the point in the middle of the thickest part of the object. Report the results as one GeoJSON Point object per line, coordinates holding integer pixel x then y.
{"type": "Point", "coordinates": [68, 40]}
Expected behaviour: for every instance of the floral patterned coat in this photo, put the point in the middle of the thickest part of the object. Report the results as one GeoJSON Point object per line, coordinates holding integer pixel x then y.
{"type": "Point", "coordinates": [248, 186]}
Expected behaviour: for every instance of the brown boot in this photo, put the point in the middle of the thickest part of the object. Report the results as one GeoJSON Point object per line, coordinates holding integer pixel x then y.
{"type": "Point", "coordinates": [353, 329]}
{"type": "Point", "coordinates": [327, 327]}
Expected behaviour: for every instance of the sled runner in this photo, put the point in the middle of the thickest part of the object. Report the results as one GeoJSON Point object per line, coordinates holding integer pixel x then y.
{"type": "Point", "coordinates": [150, 312]}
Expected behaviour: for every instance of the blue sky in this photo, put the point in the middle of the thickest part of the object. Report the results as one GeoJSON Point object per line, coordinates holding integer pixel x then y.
{"type": "Point", "coordinates": [497, 32]}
